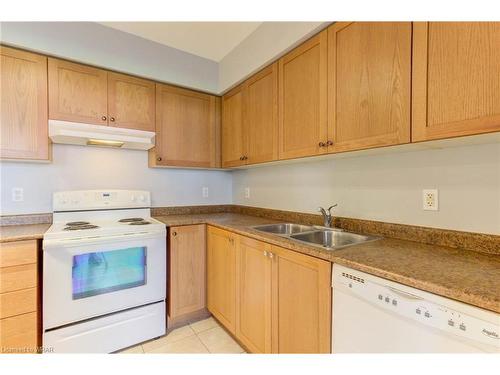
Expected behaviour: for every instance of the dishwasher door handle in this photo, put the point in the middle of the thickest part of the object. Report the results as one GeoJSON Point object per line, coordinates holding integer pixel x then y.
{"type": "Point", "coordinates": [404, 294]}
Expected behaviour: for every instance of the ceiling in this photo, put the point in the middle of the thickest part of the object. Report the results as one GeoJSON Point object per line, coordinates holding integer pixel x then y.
{"type": "Point", "coordinates": [211, 40]}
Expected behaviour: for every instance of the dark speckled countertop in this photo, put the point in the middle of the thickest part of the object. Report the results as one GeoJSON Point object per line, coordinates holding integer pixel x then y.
{"type": "Point", "coordinates": [22, 232]}
{"type": "Point", "coordinates": [467, 276]}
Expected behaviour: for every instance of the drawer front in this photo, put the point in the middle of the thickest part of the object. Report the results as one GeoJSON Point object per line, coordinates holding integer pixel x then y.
{"type": "Point", "coordinates": [19, 334]}
{"type": "Point", "coordinates": [17, 253]}
{"type": "Point", "coordinates": [18, 277]}
{"type": "Point", "coordinates": [18, 302]}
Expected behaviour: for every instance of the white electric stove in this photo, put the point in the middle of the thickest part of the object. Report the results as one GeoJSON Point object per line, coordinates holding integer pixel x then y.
{"type": "Point", "coordinates": [104, 272]}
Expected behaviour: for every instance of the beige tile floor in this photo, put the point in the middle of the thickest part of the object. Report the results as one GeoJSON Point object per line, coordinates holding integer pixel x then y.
{"type": "Point", "coordinates": [204, 336]}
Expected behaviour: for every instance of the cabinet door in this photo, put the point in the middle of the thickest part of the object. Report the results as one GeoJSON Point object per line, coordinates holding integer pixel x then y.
{"type": "Point", "coordinates": [261, 115]}
{"type": "Point", "coordinates": [302, 99]}
{"type": "Point", "coordinates": [77, 93]}
{"type": "Point", "coordinates": [19, 334]}
{"type": "Point", "coordinates": [456, 79]}
{"type": "Point", "coordinates": [368, 84]}
{"type": "Point", "coordinates": [301, 303]}
{"type": "Point", "coordinates": [23, 116]}
{"type": "Point", "coordinates": [185, 128]}
{"type": "Point", "coordinates": [221, 276]}
{"type": "Point", "coordinates": [233, 137]}
{"type": "Point", "coordinates": [131, 102]}
{"type": "Point", "coordinates": [253, 322]}
{"type": "Point", "coordinates": [187, 270]}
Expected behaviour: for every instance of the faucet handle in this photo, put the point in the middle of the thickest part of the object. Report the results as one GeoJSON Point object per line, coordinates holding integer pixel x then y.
{"type": "Point", "coordinates": [329, 208]}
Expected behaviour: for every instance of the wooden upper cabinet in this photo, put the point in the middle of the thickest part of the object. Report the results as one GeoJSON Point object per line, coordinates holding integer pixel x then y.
{"type": "Point", "coordinates": [221, 276]}
{"type": "Point", "coordinates": [234, 142]}
{"type": "Point", "coordinates": [131, 102]}
{"type": "Point", "coordinates": [77, 93]}
{"type": "Point", "coordinates": [369, 83]}
{"type": "Point", "coordinates": [186, 128]}
{"type": "Point", "coordinates": [23, 110]}
{"type": "Point", "coordinates": [253, 322]}
{"type": "Point", "coordinates": [303, 99]}
{"type": "Point", "coordinates": [187, 270]}
{"type": "Point", "coordinates": [456, 79]}
{"type": "Point", "coordinates": [261, 115]}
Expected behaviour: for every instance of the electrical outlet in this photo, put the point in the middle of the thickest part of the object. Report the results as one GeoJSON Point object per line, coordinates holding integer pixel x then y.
{"type": "Point", "coordinates": [247, 192]}
{"type": "Point", "coordinates": [204, 192]}
{"type": "Point", "coordinates": [430, 199]}
{"type": "Point", "coordinates": [17, 194]}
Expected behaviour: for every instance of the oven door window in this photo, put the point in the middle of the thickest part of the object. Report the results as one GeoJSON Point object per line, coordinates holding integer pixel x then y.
{"type": "Point", "coordinates": [108, 271]}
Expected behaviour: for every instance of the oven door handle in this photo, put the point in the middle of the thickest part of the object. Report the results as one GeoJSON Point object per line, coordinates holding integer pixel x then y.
{"type": "Point", "coordinates": [50, 244]}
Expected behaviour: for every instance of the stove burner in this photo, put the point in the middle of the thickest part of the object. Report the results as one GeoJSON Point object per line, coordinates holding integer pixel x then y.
{"type": "Point", "coordinates": [81, 227]}
{"type": "Point", "coordinates": [131, 220]}
{"type": "Point", "coordinates": [142, 222]}
{"type": "Point", "coordinates": [77, 223]}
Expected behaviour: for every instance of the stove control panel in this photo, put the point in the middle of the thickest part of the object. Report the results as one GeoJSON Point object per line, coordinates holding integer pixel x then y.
{"type": "Point", "coordinates": [81, 200]}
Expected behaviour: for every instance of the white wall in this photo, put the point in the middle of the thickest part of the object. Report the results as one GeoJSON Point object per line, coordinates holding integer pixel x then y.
{"type": "Point", "coordinates": [80, 168]}
{"type": "Point", "coordinates": [268, 42]}
{"type": "Point", "coordinates": [95, 44]}
{"type": "Point", "coordinates": [387, 187]}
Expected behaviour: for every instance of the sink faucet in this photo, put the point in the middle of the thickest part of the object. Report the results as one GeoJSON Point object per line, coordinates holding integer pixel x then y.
{"type": "Point", "coordinates": [327, 215]}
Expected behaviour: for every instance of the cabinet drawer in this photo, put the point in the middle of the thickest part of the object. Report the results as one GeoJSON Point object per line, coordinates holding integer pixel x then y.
{"type": "Point", "coordinates": [17, 253]}
{"type": "Point", "coordinates": [18, 302]}
{"type": "Point", "coordinates": [19, 334]}
{"type": "Point", "coordinates": [18, 277]}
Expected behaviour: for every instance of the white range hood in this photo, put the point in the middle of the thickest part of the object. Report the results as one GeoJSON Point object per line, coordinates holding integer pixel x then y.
{"type": "Point", "coordinates": [75, 133]}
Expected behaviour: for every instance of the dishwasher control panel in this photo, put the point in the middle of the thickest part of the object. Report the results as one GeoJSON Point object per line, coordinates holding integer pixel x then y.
{"type": "Point", "coordinates": [429, 309]}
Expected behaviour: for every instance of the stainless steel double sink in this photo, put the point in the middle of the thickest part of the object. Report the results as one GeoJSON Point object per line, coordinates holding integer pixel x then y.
{"type": "Point", "coordinates": [326, 238]}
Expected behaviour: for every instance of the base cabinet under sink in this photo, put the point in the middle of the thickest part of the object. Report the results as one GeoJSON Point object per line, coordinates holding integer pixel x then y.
{"type": "Point", "coordinates": [271, 299]}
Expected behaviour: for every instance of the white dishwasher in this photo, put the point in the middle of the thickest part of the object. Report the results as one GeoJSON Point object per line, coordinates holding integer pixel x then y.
{"type": "Point", "coordinates": [374, 315]}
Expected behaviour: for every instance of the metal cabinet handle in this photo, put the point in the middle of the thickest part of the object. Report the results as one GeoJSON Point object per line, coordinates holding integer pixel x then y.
{"type": "Point", "coordinates": [174, 234]}
{"type": "Point", "coordinates": [103, 118]}
{"type": "Point", "coordinates": [245, 157]}
{"type": "Point", "coordinates": [322, 144]}
{"type": "Point", "coordinates": [265, 253]}
{"type": "Point", "coordinates": [329, 143]}
{"type": "Point", "coordinates": [158, 158]}
{"type": "Point", "coordinates": [112, 119]}
{"type": "Point", "coordinates": [271, 255]}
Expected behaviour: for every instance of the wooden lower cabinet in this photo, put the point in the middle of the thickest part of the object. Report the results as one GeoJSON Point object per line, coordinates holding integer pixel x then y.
{"type": "Point", "coordinates": [19, 320]}
{"type": "Point", "coordinates": [302, 302]}
{"type": "Point", "coordinates": [187, 286]}
{"type": "Point", "coordinates": [253, 321]}
{"type": "Point", "coordinates": [221, 276]}
{"type": "Point", "coordinates": [19, 334]}
{"type": "Point", "coordinates": [281, 300]}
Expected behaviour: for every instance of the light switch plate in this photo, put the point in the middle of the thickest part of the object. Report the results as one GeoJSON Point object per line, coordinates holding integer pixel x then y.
{"type": "Point", "coordinates": [430, 200]}
{"type": "Point", "coordinates": [17, 194]}
{"type": "Point", "coordinates": [247, 193]}
{"type": "Point", "coordinates": [204, 192]}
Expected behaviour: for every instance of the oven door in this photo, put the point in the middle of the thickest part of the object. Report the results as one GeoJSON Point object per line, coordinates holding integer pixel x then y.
{"type": "Point", "coordinates": [85, 278]}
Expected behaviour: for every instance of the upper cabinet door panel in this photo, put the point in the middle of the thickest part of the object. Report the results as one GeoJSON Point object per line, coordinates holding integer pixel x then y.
{"type": "Point", "coordinates": [77, 93]}
{"type": "Point", "coordinates": [233, 136]}
{"type": "Point", "coordinates": [456, 79]}
{"type": "Point", "coordinates": [261, 115]}
{"type": "Point", "coordinates": [369, 84]}
{"type": "Point", "coordinates": [185, 127]}
{"type": "Point", "coordinates": [302, 99]}
{"type": "Point", "coordinates": [23, 77]}
{"type": "Point", "coordinates": [131, 102]}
